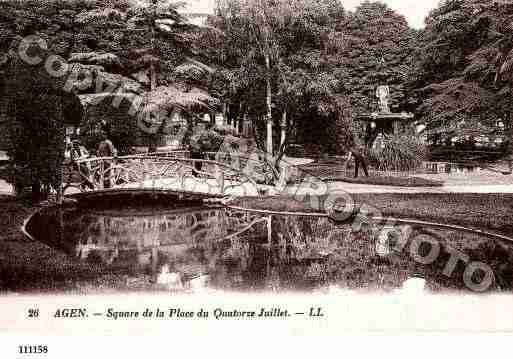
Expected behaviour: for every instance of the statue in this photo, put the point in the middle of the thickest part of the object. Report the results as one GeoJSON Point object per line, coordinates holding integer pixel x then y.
{"type": "Point", "coordinates": [383, 94]}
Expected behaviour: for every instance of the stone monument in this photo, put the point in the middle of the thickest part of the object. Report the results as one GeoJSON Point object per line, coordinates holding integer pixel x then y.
{"type": "Point", "coordinates": [383, 122]}
{"type": "Point", "coordinates": [383, 94]}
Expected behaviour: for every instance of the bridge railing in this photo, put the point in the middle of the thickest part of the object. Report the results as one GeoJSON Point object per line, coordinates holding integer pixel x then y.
{"type": "Point", "coordinates": [257, 167]}
{"type": "Point", "coordinates": [156, 171]}
{"type": "Point", "coordinates": [168, 154]}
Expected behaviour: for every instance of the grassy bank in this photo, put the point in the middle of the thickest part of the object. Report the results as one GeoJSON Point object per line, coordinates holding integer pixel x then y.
{"type": "Point", "coordinates": [493, 212]}
{"type": "Point", "coordinates": [31, 265]}
{"type": "Point", "coordinates": [387, 181]}
{"type": "Point", "coordinates": [483, 211]}
{"type": "Point", "coordinates": [331, 172]}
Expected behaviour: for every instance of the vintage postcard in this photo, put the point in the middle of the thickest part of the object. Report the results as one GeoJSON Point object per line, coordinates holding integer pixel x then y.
{"type": "Point", "coordinates": [254, 167]}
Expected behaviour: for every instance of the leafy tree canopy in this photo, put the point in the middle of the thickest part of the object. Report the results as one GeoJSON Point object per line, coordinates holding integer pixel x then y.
{"type": "Point", "coordinates": [465, 68]}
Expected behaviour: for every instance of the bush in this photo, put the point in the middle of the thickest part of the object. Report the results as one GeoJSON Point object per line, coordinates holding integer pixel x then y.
{"type": "Point", "coordinates": [398, 153]}
{"type": "Point", "coordinates": [35, 111]}
{"type": "Point", "coordinates": [225, 130]}
{"type": "Point", "coordinates": [212, 139]}
{"type": "Point", "coordinates": [100, 115]}
{"type": "Point", "coordinates": [207, 141]}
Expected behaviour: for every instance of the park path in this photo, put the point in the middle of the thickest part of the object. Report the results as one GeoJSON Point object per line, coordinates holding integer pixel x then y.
{"type": "Point", "coordinates": [481, 183]}
{"type": "Point", "coordinates": [476, 182]}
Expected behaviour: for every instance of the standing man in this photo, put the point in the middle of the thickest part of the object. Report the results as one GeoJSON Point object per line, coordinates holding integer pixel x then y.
{"type": "Point", "coordinates": [106, 149]}
{"type": "Point", "coordinates": [359, 159]}
{"type": "Point", "coordinates": [77, 153]}
{"type": "Point", "coordinates": [197, 155]}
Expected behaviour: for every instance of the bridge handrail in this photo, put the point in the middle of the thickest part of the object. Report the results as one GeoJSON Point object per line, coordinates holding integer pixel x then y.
{"type": "Point", "coordinates": [167, 154]}
{"type": "Point", "coordinates": [150, 157]}
{"type": "Point", "coordinates": [101, 170]}
{"type": "Point", "coordinates": [265, 161]}
{"type": "Point", "coordinates": [157, 156]}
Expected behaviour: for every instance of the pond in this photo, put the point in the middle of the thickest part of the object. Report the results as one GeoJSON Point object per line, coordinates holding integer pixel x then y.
{"type": "Point", "coordinates": [200, 248]}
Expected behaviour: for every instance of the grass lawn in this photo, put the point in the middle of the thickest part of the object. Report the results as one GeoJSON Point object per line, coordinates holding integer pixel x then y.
{"type": "Point", "coordinates": [27, 265]}
{"type": "Point", "coordinates": [493, 212]}
{"type": "Point", "coordinates": [388, 181]}
{"type": "Point", "coordinates": [332, 171]}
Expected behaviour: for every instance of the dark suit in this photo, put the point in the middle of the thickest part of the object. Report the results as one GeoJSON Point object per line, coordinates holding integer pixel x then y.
{"type": "Point", "coordinates": [197, 155]}
{"type": "Point", "coordinates": [106, 149]}
{"type": "Point", "coordinates": [359, 159]}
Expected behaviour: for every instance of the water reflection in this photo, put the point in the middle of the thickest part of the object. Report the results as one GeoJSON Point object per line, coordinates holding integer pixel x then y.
{"type": "Point", "coordinates": [220, 249]}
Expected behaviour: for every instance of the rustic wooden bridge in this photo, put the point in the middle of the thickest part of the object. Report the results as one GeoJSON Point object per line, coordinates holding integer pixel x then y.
{"type": "Point", "coordinates": [225, 175]}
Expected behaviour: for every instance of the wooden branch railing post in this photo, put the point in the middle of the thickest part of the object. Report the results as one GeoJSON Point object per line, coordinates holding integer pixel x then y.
{"type": "Point", "coordinates": [102, 174]}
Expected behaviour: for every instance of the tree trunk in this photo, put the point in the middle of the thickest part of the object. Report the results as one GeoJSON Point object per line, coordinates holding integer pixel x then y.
{"type": "Point", "coordinates": [153, 138]}
{"type": "Point", "coordinates": [60, 175]}
{"type": "Point", "coordinates": [258, 136]}
{"type": "Point", "coordinates": [246, 126]}
{"type": "Point", "coordinates": [268, 98]}
{"type": "Point", "coordinates": [510, 149]}
{"type": "Point", "coordinates": [239, 120]}
{"type": "Point", "coordinates": [59, 192]}
{"type": "Point", "coordinates": [152, 147]}
{"type": "Point", "coordinates": [240, 130]}
{"type": "Point", "coordinates": [283, 127]}
{"type": "Point", "coordinates": [36, 191]}
{"type": "Point", "coordinates": [225, 114]}
{"type": "Point", "coordinates": [284, 140]}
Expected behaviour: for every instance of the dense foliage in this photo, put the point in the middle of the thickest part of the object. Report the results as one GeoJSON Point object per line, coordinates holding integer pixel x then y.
{"type": "Point", "coordinates": [298, 70]}
{"type": "Point", "coordinates": [320, 59]}
{"type": "Point", "coordinates": [266, 61]}
{"type": "Point", "coordinates": [107, 120]}
{"type": "Point", "coordinates": [374, 46]}
{"type": "Point", "coordinates": [116, 46]}
{"type": "Point", "coordinates": [105, 49]}
{"type": "Point", "coordinates": [464, 70]}
{"type": "Point", "coordinates": [211, 140]}
{"type": "Point", "coordinates": [398, 153]}
{"type": "Point", "coordinates": [36, 113]}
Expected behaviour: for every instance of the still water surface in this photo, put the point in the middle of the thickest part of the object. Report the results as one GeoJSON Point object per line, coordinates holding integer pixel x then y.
{"type": "Point", "coordinates": [218, 249]}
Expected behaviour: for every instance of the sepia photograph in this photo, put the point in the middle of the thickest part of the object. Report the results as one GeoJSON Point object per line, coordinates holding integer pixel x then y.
{"type": "Point", "coordinates": [280, 166]}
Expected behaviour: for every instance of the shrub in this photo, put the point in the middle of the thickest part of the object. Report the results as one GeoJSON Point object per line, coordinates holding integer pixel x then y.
{"type": "Point", "coordinates": [100, 115]}
{"type": "Point", "coordinates": [398, 153]}
{"type": "Point", "coordinates": [212, 139]}
{"type": "Point", "coordinates": [35, 111]}
{"type": "Point", "coordinates": [225, 130]}
{"type": "Point", "coordinates": [339, 125]}
{"type": "Point", "coordinates": [207, 141]}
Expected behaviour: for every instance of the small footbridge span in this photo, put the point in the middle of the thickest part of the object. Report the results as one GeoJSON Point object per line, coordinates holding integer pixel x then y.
{"type": "Point", "coordinates": [215, 175]}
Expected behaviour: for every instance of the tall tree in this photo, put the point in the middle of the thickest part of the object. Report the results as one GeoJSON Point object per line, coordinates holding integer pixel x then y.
{"type": "Point", "coordinates": [374, 46]}
{"type": "Point", "coordinates": [254, 27]}
{"type": "Point", "coordinates": [37, 109]}
{"type": "Point", "coordinates": [299, 77]}
{"type": "Point", "coordinates": [108, 42]}
{"type": "Point", "coordinates": [465, 68]}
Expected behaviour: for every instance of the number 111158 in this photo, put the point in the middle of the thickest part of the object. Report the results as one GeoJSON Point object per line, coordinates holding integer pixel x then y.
{"type": "Point", "coordinates": [32, 349]}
